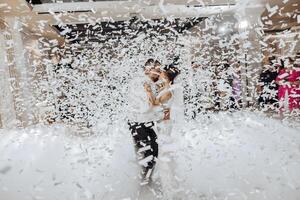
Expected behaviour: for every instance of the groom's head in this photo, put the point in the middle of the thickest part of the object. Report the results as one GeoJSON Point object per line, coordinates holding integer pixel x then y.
{"type": "Point", "coordinates": [150, 70]}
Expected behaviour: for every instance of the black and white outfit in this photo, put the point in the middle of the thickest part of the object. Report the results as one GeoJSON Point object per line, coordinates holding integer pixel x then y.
{"type": "Point", "coordinates": [141, 119]}
{"type": "Point", "coordinates": [269, 88]}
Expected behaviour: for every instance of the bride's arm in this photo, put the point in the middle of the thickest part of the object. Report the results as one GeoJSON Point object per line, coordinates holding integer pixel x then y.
{"type": "Point", "coordinates": [165, 97]}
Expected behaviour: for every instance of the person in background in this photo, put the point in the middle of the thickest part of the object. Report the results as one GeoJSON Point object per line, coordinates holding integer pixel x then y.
{"type": "Point", "coordinates": [288, 80]}
{"type": "Point", "coordinates": [223, 86]}
{"type": "Point", "coordinates": [197, 89]}
{"type": "Point", "coordinates": [297, 61]}
{"type": "Point", "coordinates": [267, 86]}
{"type": "Point", "coordinates": [236, 84]}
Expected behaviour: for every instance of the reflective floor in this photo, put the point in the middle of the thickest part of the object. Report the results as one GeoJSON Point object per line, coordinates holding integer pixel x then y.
{"type": "Point", "coordinates": [220, 156]}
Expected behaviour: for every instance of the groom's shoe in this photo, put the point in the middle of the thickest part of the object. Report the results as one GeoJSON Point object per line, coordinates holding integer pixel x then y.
{"type": "Point", "coordinates": [144, 180]}
{"type": "Point", "coordinates": [146, 175]}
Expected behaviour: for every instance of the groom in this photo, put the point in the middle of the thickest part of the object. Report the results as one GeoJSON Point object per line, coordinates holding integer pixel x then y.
{"type": "Point", "coordinates": [142, 118]}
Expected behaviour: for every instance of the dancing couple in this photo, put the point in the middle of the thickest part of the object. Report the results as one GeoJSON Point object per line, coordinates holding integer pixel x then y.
{"type": "Point", "coordinates": [155, 103]}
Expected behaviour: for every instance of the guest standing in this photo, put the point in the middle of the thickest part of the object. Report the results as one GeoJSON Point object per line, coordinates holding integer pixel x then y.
{"type": "Point", "coordinates": [288, 80]}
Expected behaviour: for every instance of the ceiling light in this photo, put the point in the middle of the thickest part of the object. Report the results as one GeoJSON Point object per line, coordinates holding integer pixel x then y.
{"type": "Point", "coordinates": [222, 29]}
{"type": "Point", "coordinates": [243, 24]}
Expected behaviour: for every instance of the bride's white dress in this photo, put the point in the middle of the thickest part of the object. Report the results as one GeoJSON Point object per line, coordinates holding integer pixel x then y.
{"type": "Point", "coordinates": [166, 164]}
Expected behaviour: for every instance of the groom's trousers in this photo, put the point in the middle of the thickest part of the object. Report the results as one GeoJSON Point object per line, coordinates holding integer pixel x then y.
{"type": "Point", "coordinates": [144, 137]}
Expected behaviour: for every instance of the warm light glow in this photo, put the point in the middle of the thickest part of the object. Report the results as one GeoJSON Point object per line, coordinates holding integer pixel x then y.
{"type": "Point", "coordinates": [243, 24]}
{"type": "Point", "coordinates": [222, 29]}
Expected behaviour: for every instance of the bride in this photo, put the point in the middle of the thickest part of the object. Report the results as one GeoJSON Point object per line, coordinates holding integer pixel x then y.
{"type": "Point", "coordinates": [170, 98]}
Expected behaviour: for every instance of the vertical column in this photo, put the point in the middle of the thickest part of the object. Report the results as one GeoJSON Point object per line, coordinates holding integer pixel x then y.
{"type": "Point", "coordinates": [18, 70]}
{"type": "Point", "coordinates": [34, 72]}
{"type": "Point", "coordinates": [2, 77]}
{"type": "Point", "coordinates": [250, 53]}
{"type": "Point", "coordinates": [7, 105]}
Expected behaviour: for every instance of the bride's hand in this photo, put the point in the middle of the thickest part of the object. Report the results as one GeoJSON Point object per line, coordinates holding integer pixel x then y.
{"type": "Point", "coordinates": [166, 114]}
{"type": "Point", "coordinates": [147, 87]}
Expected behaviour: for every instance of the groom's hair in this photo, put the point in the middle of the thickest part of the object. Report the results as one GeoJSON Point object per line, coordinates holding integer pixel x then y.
{"type": "Point", "coordinates": [149, 62]}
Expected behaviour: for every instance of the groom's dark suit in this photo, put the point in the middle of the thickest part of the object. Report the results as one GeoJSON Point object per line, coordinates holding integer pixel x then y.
{"type": "Point", "coordinates": [141, 120]}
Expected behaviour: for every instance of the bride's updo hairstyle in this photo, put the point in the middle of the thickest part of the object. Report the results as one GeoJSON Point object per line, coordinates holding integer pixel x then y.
{"type": "Point", "coordinates": [171, 72]}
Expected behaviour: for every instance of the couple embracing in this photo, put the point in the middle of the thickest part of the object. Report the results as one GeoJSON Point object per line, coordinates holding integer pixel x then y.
{"type": "Point", "coordinates": [155, 106]}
